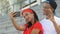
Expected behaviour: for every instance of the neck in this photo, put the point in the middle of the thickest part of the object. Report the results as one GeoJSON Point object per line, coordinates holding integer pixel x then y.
{"type": "Point", "coordinates": [32, 21]}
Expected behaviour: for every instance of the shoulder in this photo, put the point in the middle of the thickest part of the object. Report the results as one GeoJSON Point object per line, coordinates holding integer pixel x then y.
{"type": "Point", "coordinates": [38, 25]}
{"type": "Point", "coordinates": [43, 20]}
{"type": "Point", "coordinates": [57, 19]}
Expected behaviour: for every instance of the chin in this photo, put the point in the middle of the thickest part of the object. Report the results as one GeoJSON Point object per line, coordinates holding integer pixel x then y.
{"type": "Point", "coordinates": [28, 21]}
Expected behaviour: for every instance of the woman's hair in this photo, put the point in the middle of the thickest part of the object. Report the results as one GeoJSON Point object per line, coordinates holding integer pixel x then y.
{"type": "Point", "coordinates": [35, 19]}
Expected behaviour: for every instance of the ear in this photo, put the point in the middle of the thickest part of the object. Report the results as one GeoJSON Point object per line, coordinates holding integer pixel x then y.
{"type": "Point", "coordinates": [52, 9]}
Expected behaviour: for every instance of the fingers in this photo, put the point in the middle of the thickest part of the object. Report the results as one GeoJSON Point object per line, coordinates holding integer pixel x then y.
{"type": "Point", "coordinates": [12, 14]}
{"type": "Point", "coordinates": [35, 31]}
{"type": "Point", "coordinates": [50, 14]}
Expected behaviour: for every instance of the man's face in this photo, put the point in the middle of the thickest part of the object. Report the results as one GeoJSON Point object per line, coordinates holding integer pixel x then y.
{"type": "Point", "coordinates": [46, 8]}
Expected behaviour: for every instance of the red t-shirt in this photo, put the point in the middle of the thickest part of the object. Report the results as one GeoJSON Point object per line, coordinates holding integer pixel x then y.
{"type": "Point", "coordinates": [37, 25]}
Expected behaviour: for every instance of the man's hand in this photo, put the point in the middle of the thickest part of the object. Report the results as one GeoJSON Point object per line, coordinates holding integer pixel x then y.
{"type": "Point", "coordinates": [50, 15]}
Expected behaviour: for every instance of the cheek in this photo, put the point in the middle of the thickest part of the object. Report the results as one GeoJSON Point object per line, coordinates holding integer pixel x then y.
{"type": "Point", "coordinates": [30, 18]}
{"type": "Point", "coordinates": [45, 11]}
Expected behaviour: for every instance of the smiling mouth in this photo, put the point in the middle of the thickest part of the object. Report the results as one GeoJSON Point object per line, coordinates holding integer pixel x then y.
{"type": "Point", "coordinates": [27, 20]}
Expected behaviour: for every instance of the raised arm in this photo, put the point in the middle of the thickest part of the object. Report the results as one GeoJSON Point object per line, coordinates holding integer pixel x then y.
{"type": "Point", "coordinates": [18, 27]}
{"type": "Point", "coordinates": [51, 17]}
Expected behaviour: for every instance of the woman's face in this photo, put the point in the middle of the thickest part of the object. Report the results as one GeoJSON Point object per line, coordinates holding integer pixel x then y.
{"type": "Point", "coordinates": [46, 8]}
{"type": "Point", "coordinates": [28, 16]}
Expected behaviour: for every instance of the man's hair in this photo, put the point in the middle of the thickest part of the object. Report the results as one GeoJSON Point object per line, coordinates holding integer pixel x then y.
{"type": "Point", "coordinates": [52, 3]}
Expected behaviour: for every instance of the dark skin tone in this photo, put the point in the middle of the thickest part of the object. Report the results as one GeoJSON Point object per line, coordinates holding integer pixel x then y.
{"type": "Point", "coordinates": [48, 11]}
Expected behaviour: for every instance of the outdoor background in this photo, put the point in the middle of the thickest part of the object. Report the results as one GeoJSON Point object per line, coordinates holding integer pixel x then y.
{"type": "Point", "coordinates": [6, 6]}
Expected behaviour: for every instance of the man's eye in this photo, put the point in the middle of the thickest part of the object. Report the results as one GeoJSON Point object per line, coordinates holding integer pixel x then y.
{"type": "Point", "coordinates": [47, 7]}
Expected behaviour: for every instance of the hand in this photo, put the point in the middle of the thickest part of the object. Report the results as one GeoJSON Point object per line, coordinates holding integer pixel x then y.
{"type": "Point", "coordinates": [50, 15]}
{"type": "Point", "coordinates": [12, 14]}
{"type": "Point", "coordinates": [35, 31]}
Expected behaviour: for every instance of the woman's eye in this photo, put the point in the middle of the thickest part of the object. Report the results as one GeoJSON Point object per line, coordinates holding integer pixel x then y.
{"type": "Point", "coordinates": [26, 14]}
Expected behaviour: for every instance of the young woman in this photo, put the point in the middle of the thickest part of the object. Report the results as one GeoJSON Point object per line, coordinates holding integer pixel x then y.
{"type": "Point", "coordinates": [32, 26]}
{"type": "Point", "coordinates": [51, 24]}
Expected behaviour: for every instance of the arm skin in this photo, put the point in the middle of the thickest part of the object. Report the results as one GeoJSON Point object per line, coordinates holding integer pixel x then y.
{"type": "Point", "coordinates": [57, 27]}
{"type": "Point", "coordinates": [51, 17]}
{"type": "Point", "coordinates": [14, 22]}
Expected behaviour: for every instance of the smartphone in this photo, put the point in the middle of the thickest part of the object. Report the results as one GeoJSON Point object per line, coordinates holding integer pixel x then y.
{"type": "Point", "coordinates": [18, 14]}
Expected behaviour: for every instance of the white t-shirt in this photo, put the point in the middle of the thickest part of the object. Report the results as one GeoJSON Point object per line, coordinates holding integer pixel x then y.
{"type": "Point", "coordinates": [48, 25]}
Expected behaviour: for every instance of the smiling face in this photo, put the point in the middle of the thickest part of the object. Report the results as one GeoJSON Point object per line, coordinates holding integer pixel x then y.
{"type": "Point", "coordinates": [28, 16]}
{"type": "Point", "coordinates": [46, 8]}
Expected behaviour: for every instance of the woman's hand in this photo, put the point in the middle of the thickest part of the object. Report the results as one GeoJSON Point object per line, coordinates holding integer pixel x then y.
{"type": "Point", "coordinates": [35, 31]}
{"type": "Point", "coordinates": [12, 14]}
{"type": "Point", "coordinates": [21, 28]}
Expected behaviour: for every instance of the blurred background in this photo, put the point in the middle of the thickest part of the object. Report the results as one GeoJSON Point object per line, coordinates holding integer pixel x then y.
{"type": "Point", "coordinates": [7, 6]}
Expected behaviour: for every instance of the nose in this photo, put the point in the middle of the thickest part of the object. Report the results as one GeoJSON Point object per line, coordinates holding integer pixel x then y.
{"type": "Point", "coordinates": [26, 17]}
{"type": "Point", "coordinates": [44, 11]}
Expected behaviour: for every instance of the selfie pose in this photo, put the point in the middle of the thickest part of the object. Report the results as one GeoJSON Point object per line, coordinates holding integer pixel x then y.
{"type": "Point", "coordinates": [32, 26]}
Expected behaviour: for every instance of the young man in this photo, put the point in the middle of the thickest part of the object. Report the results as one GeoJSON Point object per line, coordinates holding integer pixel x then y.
{"type": "Point", "coordinates": [51, 23]}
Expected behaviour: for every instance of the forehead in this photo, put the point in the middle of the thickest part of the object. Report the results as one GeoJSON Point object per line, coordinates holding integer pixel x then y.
{"type": "Point", "coordinates": [46, 5]}
{"type": "Point", "coordinates": [26, 13]}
